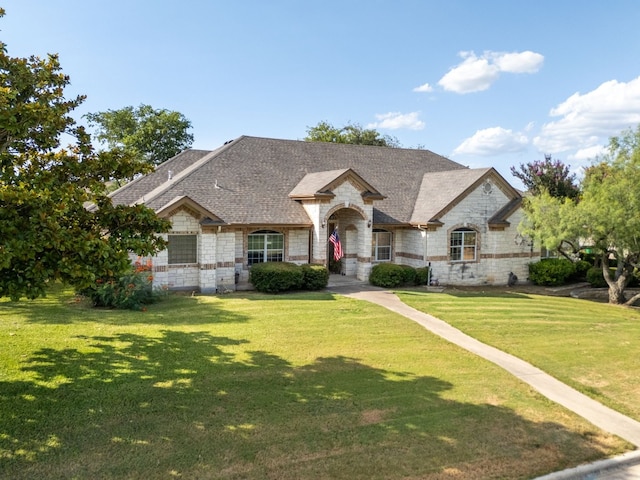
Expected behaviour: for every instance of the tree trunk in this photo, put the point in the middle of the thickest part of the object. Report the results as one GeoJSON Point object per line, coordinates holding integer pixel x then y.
{"type": "Point", "coordinates": [616, 294]}
{"type": "Point", "coordinates": [632, 300]}
{"type": "Point", "coordinates": [617, 285]}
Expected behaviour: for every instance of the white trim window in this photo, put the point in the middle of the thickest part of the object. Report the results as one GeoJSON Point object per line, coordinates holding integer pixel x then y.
{"type": "Point", "coordinates": [463, 245]}
{"type": "Point", "coordinates": [265, 246]}
{"type": "Point", "coordinates": [381, 245]}
{"type": "Point", "coordinates": [182, 249]}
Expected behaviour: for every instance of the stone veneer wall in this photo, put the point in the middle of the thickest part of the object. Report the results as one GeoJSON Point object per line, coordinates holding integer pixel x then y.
{"type": "Point", "coordinates": [186, 276]}
{"type": "Point", "coordinates": [499, 251]}
{"type": "Point", "coordinates": [297, 245]}
{"type": "Point", "coordinates": [221, 254]}
{"type": "Point", "coordinates": [226, 261]}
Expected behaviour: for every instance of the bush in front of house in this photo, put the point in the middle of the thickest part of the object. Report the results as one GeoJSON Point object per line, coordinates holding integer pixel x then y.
{"type": "Point", "coordinates": [131, 291]}
{"type": "Point", "coordinates": [596, 278]}
{"type": "Point", "coordinates": [314, 277]}
{"type": "Point", "coordinates": [408, 275]}
{"type": "Point", "coordinates": [276, 277]}
{"type": "Point", "coordinates": [389, 275]}
{"type": "Point", "coordinates": [422, 275]}
{"type": "Point", "coordinates": [551, 271]}
{"type": "Point", "coordinates": [581, 269]}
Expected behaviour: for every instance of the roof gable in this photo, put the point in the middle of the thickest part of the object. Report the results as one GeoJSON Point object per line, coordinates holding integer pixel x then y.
{"type": "Point", "coordinates": [192, 207]}
{"type": "Point", "coordinates": [440, 192]}
{"type": "Point", "coordinates": [321, 185]}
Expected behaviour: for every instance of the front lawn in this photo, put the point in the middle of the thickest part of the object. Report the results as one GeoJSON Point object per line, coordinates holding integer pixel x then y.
{"type": "Point", "coordinates": [253, 386]}
{"type": "Point", "coordinates": [594, 347]}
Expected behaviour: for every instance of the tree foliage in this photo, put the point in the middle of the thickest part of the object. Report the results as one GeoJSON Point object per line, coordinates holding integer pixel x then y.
{"type": "Point", "coordinates": [550, 175]}
{"type": "Point", "coordinates": [153, 136]}
{"type": "Point", "coordinates": [351, 133]}
{"type": "Point", "coordinates": [46, 231]}
{"type": "Point", "coordinates": [606, 214]}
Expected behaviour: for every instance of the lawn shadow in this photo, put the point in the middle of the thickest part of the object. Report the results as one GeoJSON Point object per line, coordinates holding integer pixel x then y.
{"type": "Point", "coordinates": [193, 405]}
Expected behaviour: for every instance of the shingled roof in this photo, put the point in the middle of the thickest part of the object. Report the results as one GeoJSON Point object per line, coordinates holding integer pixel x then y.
{"type": "Point", "coordinates": [248, 181]}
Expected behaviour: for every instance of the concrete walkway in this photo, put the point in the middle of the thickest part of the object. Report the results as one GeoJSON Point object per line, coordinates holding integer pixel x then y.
{"type": "Point", "coordinates": [596, 413]}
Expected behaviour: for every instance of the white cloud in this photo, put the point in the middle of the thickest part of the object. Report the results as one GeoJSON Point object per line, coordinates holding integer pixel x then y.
{"type": "Point", "coordinates": [493, 141]}
{"type": "Point", "coordinates": [424, 88]}
{"type": "Point", "coordinates": [397, 120]}
{"type": "Point", "coordinates": [589, 120]}
{"type": "Point", "coordinates": [588, 153]}
{"type": "Point", "coordinates": [523, 62]}
{"type": "Point", "coordinates": [478, 73]}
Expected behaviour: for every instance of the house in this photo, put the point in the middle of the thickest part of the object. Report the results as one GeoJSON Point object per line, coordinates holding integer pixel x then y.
{"type": "Point", "coordinates": [261, 199]}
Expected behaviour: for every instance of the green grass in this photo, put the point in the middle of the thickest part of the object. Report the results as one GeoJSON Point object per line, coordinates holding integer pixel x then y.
{"type": "Point", "coordinates": [593, 347]}
{"type": "Point", "coordinates": [253, 386]}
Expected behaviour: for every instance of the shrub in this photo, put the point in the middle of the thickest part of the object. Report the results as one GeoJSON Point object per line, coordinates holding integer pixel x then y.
{"type": "Point", "coordinates": [551, 271]}
{"type": "Point", "coordinates": [130, 291]}
{"type": "Point", "coordinates": [596, 278]}
{"type": "Point", "coordinates": [389, 275]}
{"type": "Point", "coordinates": [422, 275]}
{"type": "Point", "coordinates": [408, 275]}
{"type": "Point", "coordinates": [275, 277]}
{"type": "Point", "coordinates": [314, 277]}
{"type": "Point", "coordinates": [581, 269]}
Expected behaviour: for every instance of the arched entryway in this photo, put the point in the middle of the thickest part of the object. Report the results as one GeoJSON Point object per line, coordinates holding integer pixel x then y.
{"type": "Point", "coordinates": [352, 228]}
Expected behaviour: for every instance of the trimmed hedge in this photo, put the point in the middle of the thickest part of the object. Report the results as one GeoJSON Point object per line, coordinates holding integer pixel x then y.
{"type": "Point", "coordinates": [551, 271]}
{"type": "Point", "coordinates": [390, 275]}
{"type": "Point", "coordinates": [276, 277]}
{"type": "Point", "coordinates": [314, 277]}
{"type": "Point", "coordinates": [386, 275]}
{"type": "Point", "coordinates": [422, 275]}
{"type": "Point", "coordinates": [408, 275]}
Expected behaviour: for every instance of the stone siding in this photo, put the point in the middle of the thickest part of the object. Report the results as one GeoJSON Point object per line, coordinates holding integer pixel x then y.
{"type": "Point", "coordinates": [499, 252]}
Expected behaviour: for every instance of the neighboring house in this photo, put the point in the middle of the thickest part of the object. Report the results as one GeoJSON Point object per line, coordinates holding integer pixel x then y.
{"type": "Point", "coordinates": [259, 199]}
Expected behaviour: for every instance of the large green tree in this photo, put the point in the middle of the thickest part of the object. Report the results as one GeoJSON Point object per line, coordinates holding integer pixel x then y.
{"type": "Point", "coordinates": [350, 133]}
{"type": "Point", "coordinates": [606, 214]}
{"type": "Point", "coordinates": [56, 221]}
{"type": "Point", "coordinates": [152, 135]}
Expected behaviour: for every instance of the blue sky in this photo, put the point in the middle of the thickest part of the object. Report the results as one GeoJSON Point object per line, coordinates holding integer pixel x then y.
{"type": "Point", "coordinates": [485, 83]}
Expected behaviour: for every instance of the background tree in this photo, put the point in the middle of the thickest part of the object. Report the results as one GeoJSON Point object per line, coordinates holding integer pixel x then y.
{"type": "Point", "coordinates": [153, 136]}
{"type": "Point", "coordinates": [606, 214]}
{"type": "Point", "coordinates": [351, 133]}
{"type": "Point", "coordinates": [46, 233]}
{"type": "Point", "coordinates": [550, 175]}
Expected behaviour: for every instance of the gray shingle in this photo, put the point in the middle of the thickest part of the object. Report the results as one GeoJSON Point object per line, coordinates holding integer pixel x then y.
{"type": "Point", "coordinates": [248, 181]}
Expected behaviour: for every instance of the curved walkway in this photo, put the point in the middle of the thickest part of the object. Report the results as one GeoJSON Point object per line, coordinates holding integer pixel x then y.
{"type": "Point", "coordinates": [596, 413]}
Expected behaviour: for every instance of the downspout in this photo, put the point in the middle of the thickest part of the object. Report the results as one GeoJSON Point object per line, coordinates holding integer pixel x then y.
{"type": "Point", "coordinates": [423, 232]}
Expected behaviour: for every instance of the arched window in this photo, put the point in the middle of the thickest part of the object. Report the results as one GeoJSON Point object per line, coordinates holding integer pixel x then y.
{"type": "Point", "coordinates": [463, 245]}
{"type": "Point", "coordinates": [265, 246]}
{"type": "Point", "coordinates": [380, 246]}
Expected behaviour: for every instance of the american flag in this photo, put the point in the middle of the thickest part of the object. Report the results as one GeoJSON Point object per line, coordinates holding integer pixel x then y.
{"type": "Point", "coordinates": [337, 246]}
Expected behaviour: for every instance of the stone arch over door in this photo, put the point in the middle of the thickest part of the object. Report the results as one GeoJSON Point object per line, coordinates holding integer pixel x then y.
{"type": "Point", "coordinates": [342, 206]}
{"type": "Point", "coordinates": [351, 223]}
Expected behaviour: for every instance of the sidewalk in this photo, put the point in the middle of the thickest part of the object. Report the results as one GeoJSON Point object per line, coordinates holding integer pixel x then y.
{"type": "Point", "coordinates": [596, 413]}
